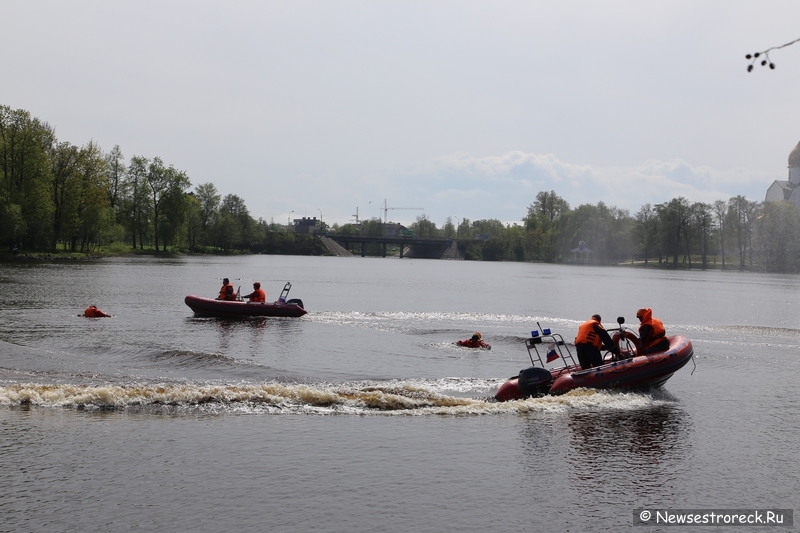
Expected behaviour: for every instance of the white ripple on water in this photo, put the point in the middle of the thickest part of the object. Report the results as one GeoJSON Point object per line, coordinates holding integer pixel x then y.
{"type": "Point", "coordinates": [401, 316]}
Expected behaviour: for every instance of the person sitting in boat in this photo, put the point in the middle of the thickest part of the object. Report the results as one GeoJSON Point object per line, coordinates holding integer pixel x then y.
{"type": "Point", "coordinates": [258, 294]}
{"type": "Point", "coordinates": [591, 337]}
{"type": "Point", "coordinates": [93, 312]}
{"type": "Point", "coordinates": [227, 292]}
{"type": "Point", "coordinates": [652, 335]}
{"type": "Point", "coordinates": [476, 341]}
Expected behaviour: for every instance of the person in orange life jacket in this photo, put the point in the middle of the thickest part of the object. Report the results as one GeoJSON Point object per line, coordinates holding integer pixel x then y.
{"type": "Point", "coordinates": [476, 341]}
{"type": "Point", "coordinates": [227, 292]}
{"type": "Point", "coordinates": [93, 312]}
{"type": "Point", "coordinates": [652, 335]}
{"type": "Point", "coordinates": [258, 294]}
{"type": "Point", "coordinates": [591, 337]}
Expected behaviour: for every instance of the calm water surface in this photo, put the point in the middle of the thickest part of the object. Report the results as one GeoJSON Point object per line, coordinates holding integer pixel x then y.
{"type": "Point", "coordinates": [363, 416]}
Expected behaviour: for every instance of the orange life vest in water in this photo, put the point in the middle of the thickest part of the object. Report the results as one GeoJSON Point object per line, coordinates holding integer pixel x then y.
{"type": "Point", "coordinates": [473, 343]}
{"type": "Point", "coordinates": [94, 312]}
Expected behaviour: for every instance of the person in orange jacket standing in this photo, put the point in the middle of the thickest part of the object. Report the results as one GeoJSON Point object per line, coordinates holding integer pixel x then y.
{"type": "Point", "coordinates": [591, 337]}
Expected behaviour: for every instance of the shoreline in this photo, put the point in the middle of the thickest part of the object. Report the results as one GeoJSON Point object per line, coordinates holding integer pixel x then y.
{"type": "Point", "coordinates": [8, 257]}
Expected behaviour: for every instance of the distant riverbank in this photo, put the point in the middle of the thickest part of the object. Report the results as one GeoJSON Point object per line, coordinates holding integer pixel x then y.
{"type": "Point", "coordinates": [33, 257]}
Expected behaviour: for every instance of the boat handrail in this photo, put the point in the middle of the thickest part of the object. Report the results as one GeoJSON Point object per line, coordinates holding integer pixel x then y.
{"type": "Point", "coordinates": [554, 340]}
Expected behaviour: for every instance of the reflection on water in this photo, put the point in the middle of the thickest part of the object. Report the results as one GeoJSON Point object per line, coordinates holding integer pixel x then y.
{"type": "Point", "coordinates": [639, 450]}
{"type": "Point", "coordinates": [644, 434]}
{"type": "Point", "coordinates": [252, 329]}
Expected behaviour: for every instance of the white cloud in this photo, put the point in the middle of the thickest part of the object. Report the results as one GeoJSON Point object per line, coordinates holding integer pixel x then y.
{"type": "Point", "coordinates": [331, 106]}
{"type": "Point", "coordinates": [503, 186]}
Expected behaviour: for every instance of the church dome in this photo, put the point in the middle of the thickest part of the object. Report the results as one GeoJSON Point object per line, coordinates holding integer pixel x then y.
{"type": "Point", "coordinates": [794, 156]}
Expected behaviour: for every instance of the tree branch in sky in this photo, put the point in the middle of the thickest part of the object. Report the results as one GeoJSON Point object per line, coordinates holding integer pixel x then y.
{"type": "Point", "coordinates": [754, 57]}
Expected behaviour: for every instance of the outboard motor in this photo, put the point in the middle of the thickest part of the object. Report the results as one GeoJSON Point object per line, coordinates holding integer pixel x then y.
{"type": "Point", "coordinates": [297, 301]}
{"type": "Point", "coordinates": [534, 381]}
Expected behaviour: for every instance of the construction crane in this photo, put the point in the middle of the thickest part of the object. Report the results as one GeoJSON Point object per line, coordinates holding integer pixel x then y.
{"type": "Point", "coordinates": [386, 210]}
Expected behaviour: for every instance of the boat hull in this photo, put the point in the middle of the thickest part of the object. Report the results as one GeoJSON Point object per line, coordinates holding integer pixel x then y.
{"type": "Point", "coordinates": [640, 372]}
{"type": "Point", "coordinates": [221, 308]}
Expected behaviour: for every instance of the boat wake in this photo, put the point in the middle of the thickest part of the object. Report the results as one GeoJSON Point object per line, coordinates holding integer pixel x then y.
{"type": "Point", "coordinates": [388, 398]}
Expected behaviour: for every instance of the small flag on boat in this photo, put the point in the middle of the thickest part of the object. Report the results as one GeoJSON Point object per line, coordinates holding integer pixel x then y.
{"type": "Point", "coordinates": [552, 354]}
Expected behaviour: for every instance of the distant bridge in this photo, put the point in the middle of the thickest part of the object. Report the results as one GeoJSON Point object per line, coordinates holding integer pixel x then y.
{"type": "Point", "coordinates": [418, 248]}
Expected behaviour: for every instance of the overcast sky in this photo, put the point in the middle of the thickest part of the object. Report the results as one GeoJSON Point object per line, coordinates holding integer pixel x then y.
{"type": "Point", "coordinates": [466, 109]}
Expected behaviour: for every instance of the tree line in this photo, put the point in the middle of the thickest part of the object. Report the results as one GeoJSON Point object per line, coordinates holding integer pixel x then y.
{"type": "Point", "coordinates": [56, 195]}
{"type": "Point", "coordinates": [734, 234]}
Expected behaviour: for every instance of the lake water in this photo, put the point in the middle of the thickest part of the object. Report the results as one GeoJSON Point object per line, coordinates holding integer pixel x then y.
{"type": "Point", "coordinates": [363, 415]}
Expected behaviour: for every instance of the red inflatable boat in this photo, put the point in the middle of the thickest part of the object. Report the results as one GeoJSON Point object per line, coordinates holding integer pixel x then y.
{"type": "Point", "coordinates": [630, 371]}
{"type": "Point", "coordinates": [239, 308]}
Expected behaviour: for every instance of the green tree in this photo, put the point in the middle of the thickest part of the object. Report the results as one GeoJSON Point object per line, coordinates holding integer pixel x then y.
{"type": "Point", "coordinates": [347, 229]}
{"type": "Point", "coordinates": [449, 229]}
{"type": "Point", "coordinates": [24, 176]}
{"type": "Point", "coordinates": [210, 199]}
{"type": "Point", "coordinates": [174, 220]}
{"type": "Point", "coordinates": [463, 231]}
{"type": "Point", "coordinates": [238, 224]}
{"type": "Point", "coordinates": [65, 176]}
{"type": "Point", "coordinates": [673, 222]}
{"type": "Point", "coordinates": [136, 205]}
{"type": "Point", "coordinates": [548, 207]}
{"type": "Point", "coordinates": [226, 231]}
{"type": "Point", "coordinates": [13, 226]}
{"type": "Point", "coordinates": [424, 228]}
{"type": "Point", "coordinates": [516, 242]}
{"type": "Point", "coordinates": [115, 164]}
{"type": "Point", "coordinates": [194, 222]}
{"type": "Point", "coordinates": [582, 224]}
{"type": "Point", "coordinates": [646, 229]}
{"type": "Point", "coordinates": [491, 227]}
{"type": "Point", "coordinates": [720, 211]}
{"type": "Point", "coordinates": [543, 223]}
{"type": "Point", "coordinates": [90, 211]}
{"type": "Point", "coordinates": [164, 184]}
{"type": "Point", "coordinates": [740, 217]}
{"type": "Point", "coordinates": [372, 227]}
{"type": "Point", "coordinates": [702, 220]}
